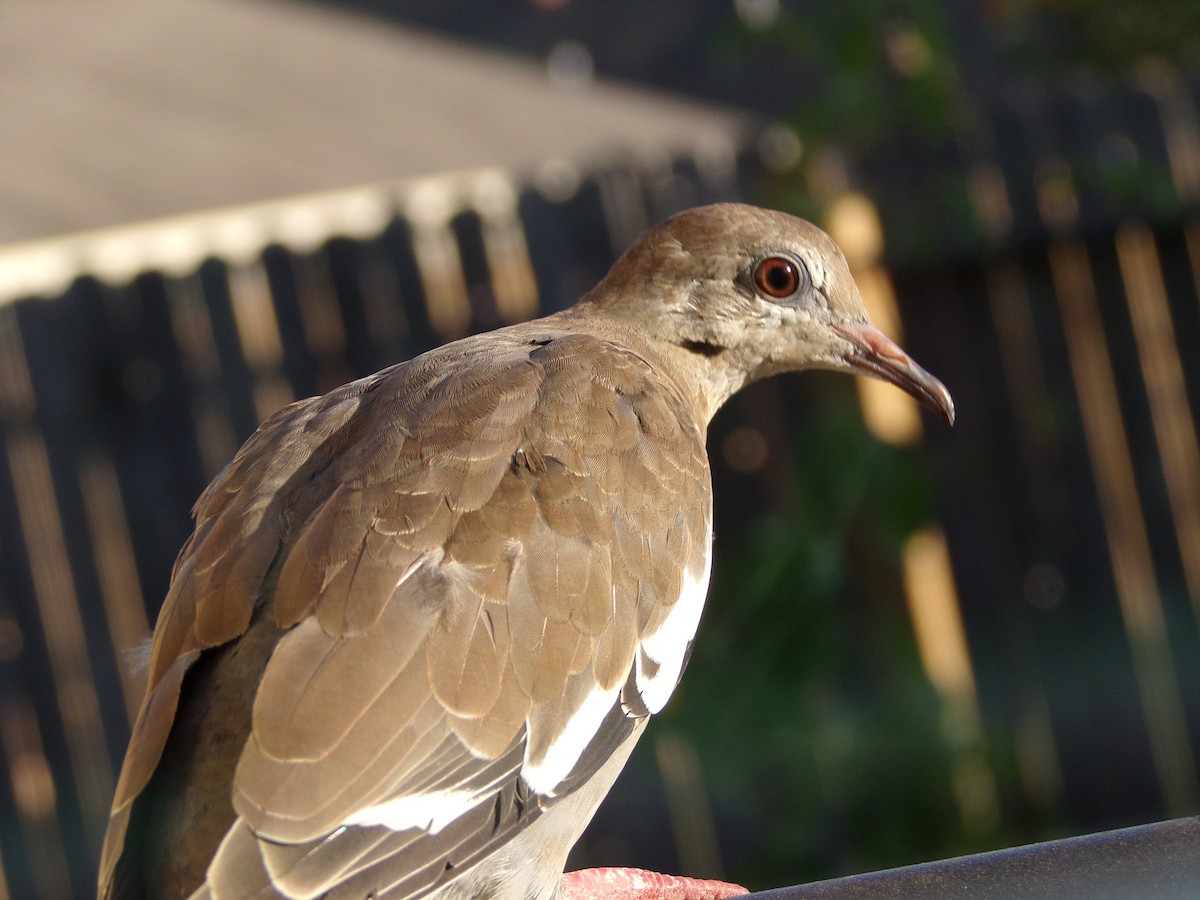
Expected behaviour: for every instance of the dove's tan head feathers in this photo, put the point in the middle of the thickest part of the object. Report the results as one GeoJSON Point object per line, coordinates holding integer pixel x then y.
{"type": "Point", "coordinates": [755, 292]}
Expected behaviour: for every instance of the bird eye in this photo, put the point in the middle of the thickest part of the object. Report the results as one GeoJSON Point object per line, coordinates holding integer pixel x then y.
{"type": "Point", "coordinates": [777, 277]}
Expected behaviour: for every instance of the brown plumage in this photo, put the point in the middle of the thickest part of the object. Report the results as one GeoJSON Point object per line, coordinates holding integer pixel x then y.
{"type": "Point", "coordinates": [423, 619]}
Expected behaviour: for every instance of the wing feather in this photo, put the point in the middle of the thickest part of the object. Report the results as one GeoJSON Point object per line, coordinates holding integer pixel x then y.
{"type": "Point", "coordinates": [463, 576]}
{"type": "Point", "coordinates": [317, 687]}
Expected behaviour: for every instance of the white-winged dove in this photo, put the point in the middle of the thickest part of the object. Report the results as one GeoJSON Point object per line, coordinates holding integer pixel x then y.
{"type": "Point", "coordinates": [424, 618]}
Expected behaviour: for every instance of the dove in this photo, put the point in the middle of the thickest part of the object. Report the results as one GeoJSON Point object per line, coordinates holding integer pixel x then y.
{"type": "Point", "coordinates": [423, 619]}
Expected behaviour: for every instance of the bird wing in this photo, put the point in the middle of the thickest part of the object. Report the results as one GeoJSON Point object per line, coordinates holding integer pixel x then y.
{"type": "Point", "coordinates": [477, 570]}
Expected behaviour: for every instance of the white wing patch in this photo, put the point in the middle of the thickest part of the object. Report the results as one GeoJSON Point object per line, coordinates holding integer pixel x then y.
{"type": "Point", "coordinates": [430, 812]}
{"type": "Point", "coordinates": [545, 771]}
{"type": "Point", "coordinates": [667, 646]}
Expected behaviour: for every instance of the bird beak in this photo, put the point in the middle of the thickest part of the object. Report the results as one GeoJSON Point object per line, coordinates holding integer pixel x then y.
{"type": "Point", "coordinates": [876, 354]}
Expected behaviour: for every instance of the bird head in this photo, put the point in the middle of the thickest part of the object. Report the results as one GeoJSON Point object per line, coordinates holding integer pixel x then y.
{"type": "Point", "coordinates": [756, 292]}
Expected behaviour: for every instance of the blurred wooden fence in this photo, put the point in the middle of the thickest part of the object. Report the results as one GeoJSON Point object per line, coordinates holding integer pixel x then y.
{"type": "Point", "coordinates": [1048, 268]}
{"type": "Point", "coordinates": [1067, 319]}
{"type": "Point", "coordinates": [123, 395]}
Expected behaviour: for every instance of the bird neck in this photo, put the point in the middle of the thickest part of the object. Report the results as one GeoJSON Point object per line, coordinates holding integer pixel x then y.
{"type": "Point", "coordinates": [701, 375]}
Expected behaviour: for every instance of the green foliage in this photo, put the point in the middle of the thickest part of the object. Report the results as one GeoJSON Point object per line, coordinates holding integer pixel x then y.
{"type": "Point", "coordinates": [875, 68]}
{"type": "Point", "coordinates": [1046, 36]}
{"type": "Point", "coordinates": [805, 699]}
{"type": "Point", "coordinates": [816, 727]}
{"type": "Point", "coordinates": [883, 94]}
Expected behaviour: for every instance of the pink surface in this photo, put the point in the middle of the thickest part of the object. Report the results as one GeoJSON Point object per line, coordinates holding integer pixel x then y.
{"type": "Point", "coordinates": [612, 883]}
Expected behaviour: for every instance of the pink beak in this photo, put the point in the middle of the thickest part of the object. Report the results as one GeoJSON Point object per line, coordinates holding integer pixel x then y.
{"type": "Point", "coordinates": [877, 354]}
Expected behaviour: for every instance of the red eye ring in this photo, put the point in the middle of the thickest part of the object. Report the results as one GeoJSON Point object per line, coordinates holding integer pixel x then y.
{"type": "Point", "coordinates": [777, 277]}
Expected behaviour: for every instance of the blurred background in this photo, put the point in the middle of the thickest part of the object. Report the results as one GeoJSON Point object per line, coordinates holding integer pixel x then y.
{"type": "Point", "coordinates": [921, 642]}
